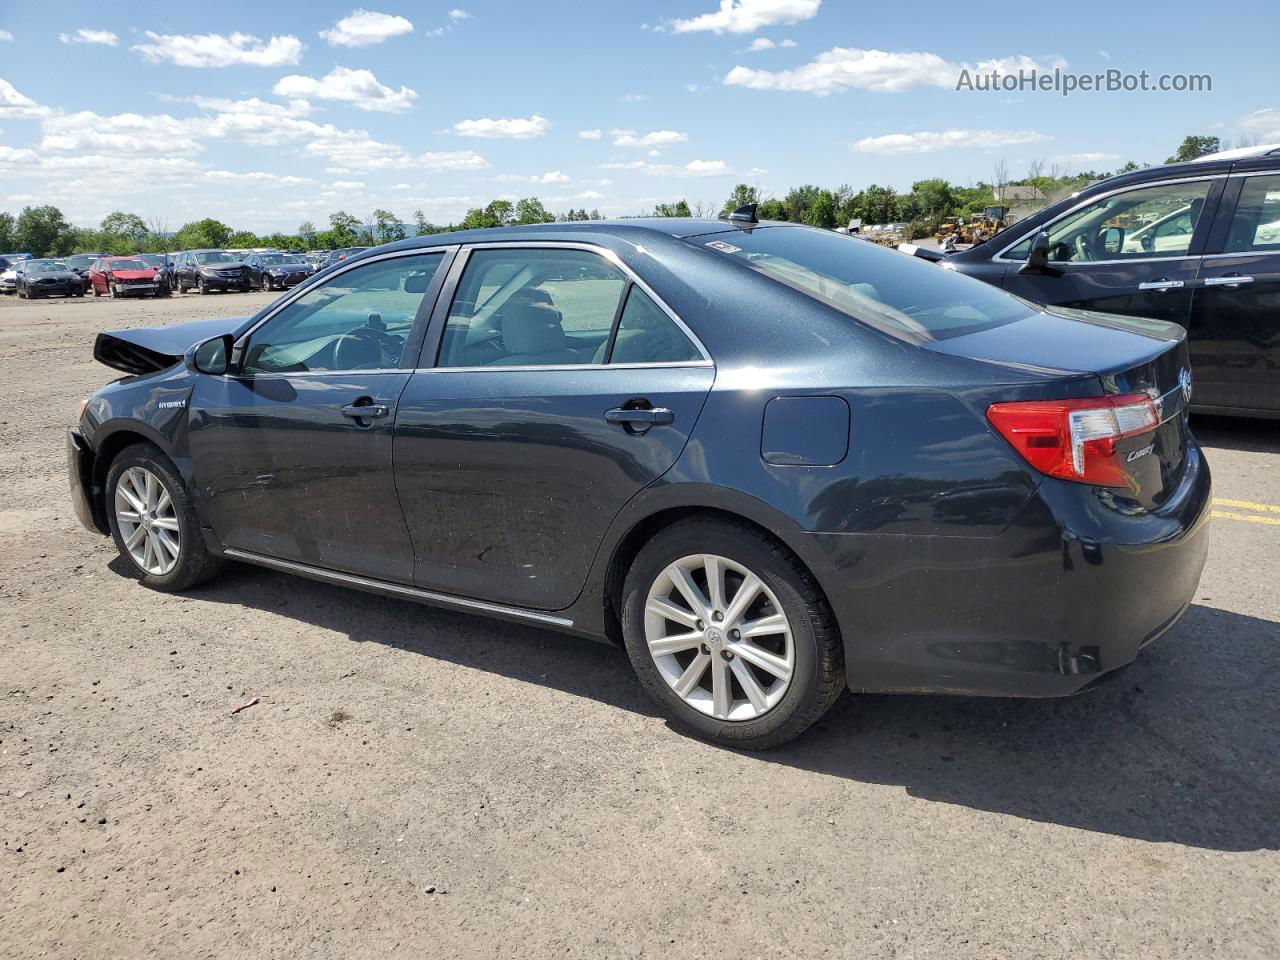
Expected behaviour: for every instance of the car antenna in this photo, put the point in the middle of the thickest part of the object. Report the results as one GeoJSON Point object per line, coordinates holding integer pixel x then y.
{"type": "Point", "coordinates": [744, 214]}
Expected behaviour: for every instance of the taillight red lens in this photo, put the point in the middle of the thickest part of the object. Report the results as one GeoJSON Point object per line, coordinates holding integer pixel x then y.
{"type": "Point", "coordinates": [1076, 439]}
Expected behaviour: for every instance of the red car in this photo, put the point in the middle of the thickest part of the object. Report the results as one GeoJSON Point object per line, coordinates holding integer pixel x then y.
{"type": "Point", "coordinates": [125, 277]}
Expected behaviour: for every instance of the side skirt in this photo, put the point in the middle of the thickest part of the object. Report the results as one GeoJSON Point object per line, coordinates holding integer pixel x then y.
{"type": "Point", "coordinates": [449, 601]}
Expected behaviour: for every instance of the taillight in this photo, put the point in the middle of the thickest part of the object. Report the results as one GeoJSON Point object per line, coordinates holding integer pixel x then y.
{"type": "Point", "coordinates": [1075, 439]}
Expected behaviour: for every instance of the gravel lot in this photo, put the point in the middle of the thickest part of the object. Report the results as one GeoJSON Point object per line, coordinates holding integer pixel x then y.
{"type": "Point", "coordinates": [415, 783]}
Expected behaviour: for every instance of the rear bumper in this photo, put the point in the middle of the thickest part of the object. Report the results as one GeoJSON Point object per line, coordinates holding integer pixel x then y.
{"type": "Point", "coordinates": [84, 500]}
{"type": "Point", "coordinates": [1072, 590]}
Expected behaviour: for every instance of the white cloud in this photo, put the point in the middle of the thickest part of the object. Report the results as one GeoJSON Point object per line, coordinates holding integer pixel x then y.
{"type": "Point", "coordinates": [590, 134]}
{"type": "Point", "coordinates": [363, 28]}
{"type": "Point", "coordinates": [360, 88]}
{"type": "Point", "coordinates": [634, 97]}
{"type": "Point", "coordinates": [748, 16]}
{"type": "Point", "coordinates": [1084, 159]}
{"type": "Point", "coordinates": [788, 43]}
{"type": "Point", "coordinates": [551, 176]}
{"type": "Point", "coordinates": [16, 154]}
{"type": "Point", "coordinates": [456, 14]}
{"type": "Point", "coordinates": [845, 68]}
{"type": "Point", "coordinates": [931, 142]}
{"type": "Point", "coordinates": [694, 168]}
{"type": "Point", "coordinates": [103, 37]}
{"type": "Point", "coordinates": [17, 105]}
{"type": "Point", "coordinates": [125, 133]}
{"type": "Point", "coordinates": [255, 176]}
{"type": "Point", "coordinates": [348, 184]}
{"type": "Point", "coordinates": [5, 35]}
{"type": "Point", "coordinates": [1263, 124]}
{"type": "Point", "coordinates": [655, 138]}
{"type": "Point", "coordinates": [513, 128]}
{"type": "Point", "coordinates": [760, 43]}
{"type": "Point", "coordinates": [217, 50]}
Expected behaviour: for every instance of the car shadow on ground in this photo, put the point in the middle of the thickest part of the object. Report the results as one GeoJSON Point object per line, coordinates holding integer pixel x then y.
{"type": "Point", "coordinates": [1181, 747]}
{"type": "Point", "coordinates": [1237, 433]}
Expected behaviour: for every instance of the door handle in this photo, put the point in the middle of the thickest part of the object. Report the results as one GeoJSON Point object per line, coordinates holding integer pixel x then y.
{"type": "Point", "coordinates": [1161, 284]}
{"type": "Point", "coordinates": [365, 411]}
{"type": "Point", "coordinates": [642, 418]}
{"type": "Point", "coordinates": [1229, 281]}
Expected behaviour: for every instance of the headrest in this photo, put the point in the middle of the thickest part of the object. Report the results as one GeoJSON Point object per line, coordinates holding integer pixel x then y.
{"type": "Point", "coordinates": [531, 328]}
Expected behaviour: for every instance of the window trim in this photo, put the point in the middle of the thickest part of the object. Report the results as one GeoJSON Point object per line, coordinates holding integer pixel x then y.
{"type": "Point", "coordinates": [417, 331]}
{"type": "Point", "coordinates": [1128, 188]}
{"type": "Point", "coordinates": [430, 362]}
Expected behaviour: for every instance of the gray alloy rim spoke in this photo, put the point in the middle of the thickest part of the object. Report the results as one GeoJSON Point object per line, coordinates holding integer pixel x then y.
{"type": "Point", "coordinates": [147, 520]}
{"type": "Point", "coordinates": [719, 638]}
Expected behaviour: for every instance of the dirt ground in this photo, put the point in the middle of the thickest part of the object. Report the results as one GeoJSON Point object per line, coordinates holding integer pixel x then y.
{"type": "Point", "coordinates": [416, 783]}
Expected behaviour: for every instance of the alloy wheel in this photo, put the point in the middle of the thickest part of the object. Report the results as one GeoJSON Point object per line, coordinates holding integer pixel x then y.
{"type": "Point", "coordinates": [147, 521]}
{"type": "Point", "coordinates": [719, 637]}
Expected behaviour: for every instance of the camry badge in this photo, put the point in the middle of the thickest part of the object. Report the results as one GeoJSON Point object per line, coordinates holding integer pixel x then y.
{"type": "Point", "coordinates": [1184, 381]}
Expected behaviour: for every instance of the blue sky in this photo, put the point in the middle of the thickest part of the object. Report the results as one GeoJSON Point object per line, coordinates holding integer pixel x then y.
{"type": "Point", "coordinates": [268, 114]}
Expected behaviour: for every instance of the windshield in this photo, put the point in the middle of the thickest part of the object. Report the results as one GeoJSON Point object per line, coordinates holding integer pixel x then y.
{"type": "Point", "coordinates": [898, 294]}
{"type": "Point", "coordinates": [275, 259]}
{"type": "Point", "coordinates": [154, 259]}
{"type": "Point", "coordinates": [216, 257]}
{"type": "Point", "coordinates": [130, 264]}
{"type": "Point", "coordinates": [81, 260]}
{"type": "Point", "coordinates": [45, 266]}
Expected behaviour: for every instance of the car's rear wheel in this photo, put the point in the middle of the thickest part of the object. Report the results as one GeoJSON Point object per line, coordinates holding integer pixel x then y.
{"type": "Point", "coordinates": [730, 634]}
{"type": "Point", "coordinates": [153, 523]}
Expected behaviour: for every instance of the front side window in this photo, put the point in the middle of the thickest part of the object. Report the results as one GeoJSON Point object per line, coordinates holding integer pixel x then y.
{"type": "Point", "coordinates": [531, 307]}
{"type": "Point", "coordinates": [903, 296]}
{"type": "Point", "coordinates": [1255, 225]}
{"type": "Point", "coordinates": [358, 320]}
{"type": "Point", "coordinates": [1139, 224]}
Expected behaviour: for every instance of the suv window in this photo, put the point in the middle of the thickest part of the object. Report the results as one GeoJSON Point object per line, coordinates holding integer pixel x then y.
{"type": "Point", "coordinates": [531, 307]}
{"type": "Point", "coordinates": [357, 320]}
{"type": "Point", "coordinates": [1155, 221]}
{"type": "Point", "coordinates": [1255, 225]}
{"type": "Point", "coordinates": [647, 335]}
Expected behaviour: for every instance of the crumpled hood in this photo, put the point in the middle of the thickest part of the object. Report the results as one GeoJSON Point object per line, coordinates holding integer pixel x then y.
{"type": "Point", "coordinates": [148, 349]}
{"type": "Point", "coordinates": [147, 274]}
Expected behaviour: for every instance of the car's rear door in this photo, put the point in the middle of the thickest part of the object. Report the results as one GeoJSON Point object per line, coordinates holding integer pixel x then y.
{"type": "Point", "coordinates": [292, 452]}
{"type": "Point", "coordinates": [1234, 331]}
{"type": "Point", "coordinates": [517, 441]}
{"type": "Point", "coordinates": [1135, 251]}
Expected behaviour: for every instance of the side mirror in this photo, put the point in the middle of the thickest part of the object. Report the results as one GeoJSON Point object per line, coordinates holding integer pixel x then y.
{"type": "Point", "coordinates": [1113, 239]}
{"type": "Point", "coordinates": [417, 282]}
{"type": "Point", "coordinates": [1038, 258]}
{"type": "Point", "coordinates": [212, 357]}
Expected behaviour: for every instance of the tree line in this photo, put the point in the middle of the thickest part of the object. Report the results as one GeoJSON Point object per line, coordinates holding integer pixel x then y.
{"type": "Point", "coordinates": [43, 231]}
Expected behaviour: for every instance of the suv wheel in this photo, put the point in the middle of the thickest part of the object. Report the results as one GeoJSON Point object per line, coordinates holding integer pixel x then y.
{"type": "Point", "coordinates": [730, 634]}
{"type": "Point", "coordinates": [153, 522]}
{"type": "Point", "coordinates": [201, 287]}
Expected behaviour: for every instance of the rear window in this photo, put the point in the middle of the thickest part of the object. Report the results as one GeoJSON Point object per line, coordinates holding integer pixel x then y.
{"type": "Point", "coordinates": [904, 296]}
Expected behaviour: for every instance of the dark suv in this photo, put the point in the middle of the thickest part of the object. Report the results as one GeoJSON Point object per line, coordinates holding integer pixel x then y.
{"type": "Point", "coordinates": [1194, 243]}
{"type": "Point", "coordinates": [209, 270]}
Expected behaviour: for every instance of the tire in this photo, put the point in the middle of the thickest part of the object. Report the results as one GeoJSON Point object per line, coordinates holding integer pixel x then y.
{"type": "Point", "coordinates": [115, 292]}
{"type": "Point", "coordinates": [96, 291]}
{"type": "Point", "coordinates": [194, 563]}
{"type": "Point", "coordinates": [814, 652]}
{"type": "Point", "coordinates": [202, 288]}
{"type": "Point", "coordinates": [266, 284]}
{"type": "Point", "coordinates": [182, 288]}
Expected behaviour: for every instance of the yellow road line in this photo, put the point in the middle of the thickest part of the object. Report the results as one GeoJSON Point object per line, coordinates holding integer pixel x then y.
{"type": "Point", "coordinates": [1229, 515]}
{"type": "Point", "coordinates": [1246, 505]}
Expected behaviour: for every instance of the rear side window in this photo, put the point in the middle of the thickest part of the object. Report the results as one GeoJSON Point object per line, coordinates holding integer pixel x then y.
{"type": "Point", "coordinates": [902, 295]}
{"type": "Point", "coordinates": [1255, 225]}
{"type": "Point", "coordinates": [647, 335]}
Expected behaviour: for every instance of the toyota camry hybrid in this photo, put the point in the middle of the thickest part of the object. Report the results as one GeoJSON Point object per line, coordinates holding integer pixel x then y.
{"type": "Point", "coordinates": [769, 461]}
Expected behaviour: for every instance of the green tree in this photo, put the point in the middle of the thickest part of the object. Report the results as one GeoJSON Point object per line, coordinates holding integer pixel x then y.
{"type": "Point", "coordinates": [129, 227]}
{"type": "Point", "coordinates": [742, 195]}
{"type": "Point", "coordinates": [43, 231]}
{"type": "Point", "coordinates": [822, 212]}
{"type": "Point", "coordinates": [421, 225]}
{"type": "Point", "coordinates": [879, 205]}
{"type": "Point", "coordinates": [531, 210]}
{"type": "Point", "coordinates": [771, 210]}
{"type": "Point", "coordinates": [344, 229]}
{"type": "Point", "coordinates": [7, 226]}
{"type": "Point", "coordinates": [202, 233]}
{"type": "Point", "coordinates": [387, 227]}
{"type": "Point", "coordinates": [798, 201]}
{"type": "Point", "coordinates": [1193, 146]}
{"type": "Point", "coordinates": [678, 209]}
{"type": "Point", "coordinates": [244, 238]}
{"type": "Point", "coordinates": [307, 234]}
{"type": "Point", "coordinates": [933, 197]}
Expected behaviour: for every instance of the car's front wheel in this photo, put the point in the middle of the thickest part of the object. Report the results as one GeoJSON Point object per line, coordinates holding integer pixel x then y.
{"type": "Point", "coordinates": [153, 522]}
{"type": "Point", "coordinates": [730, 634]}
{"type": "Point", "coordinates": [202, 288]}
{"type": "Point", "coordinates": [266, 283]}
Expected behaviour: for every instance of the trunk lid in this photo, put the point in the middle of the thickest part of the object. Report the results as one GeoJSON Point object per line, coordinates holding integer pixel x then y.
{"type": "Point", "coordinates": [1128, 355]}
{"type": "Point", "coordinates": [148, 349]}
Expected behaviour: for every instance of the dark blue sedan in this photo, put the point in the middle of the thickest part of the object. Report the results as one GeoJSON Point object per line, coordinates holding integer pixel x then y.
{"type": "Point", "coordinates": [771, 462]}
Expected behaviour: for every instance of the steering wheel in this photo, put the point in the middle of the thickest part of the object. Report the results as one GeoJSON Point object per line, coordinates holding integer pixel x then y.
{"type": "Point", "coordinates": [363, 348]}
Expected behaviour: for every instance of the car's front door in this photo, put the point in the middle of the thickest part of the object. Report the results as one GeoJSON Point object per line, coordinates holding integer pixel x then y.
{"type": "Point", "coordinates": [292, 451]}
{"type": "Point", "coordinates": [1235, 316]}
{"type": "Point", "coordinates": [1134, 252]}
{"type": "Point", "coordinates": [561, 387]}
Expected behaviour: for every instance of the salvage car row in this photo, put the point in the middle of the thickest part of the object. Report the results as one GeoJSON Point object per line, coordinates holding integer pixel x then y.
{"type": "Point", "coordinates": [159, 274]}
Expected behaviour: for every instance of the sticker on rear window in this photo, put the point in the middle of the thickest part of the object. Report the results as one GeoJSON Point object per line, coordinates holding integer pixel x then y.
{"type": "Point", "coordinates": [723, 247]}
